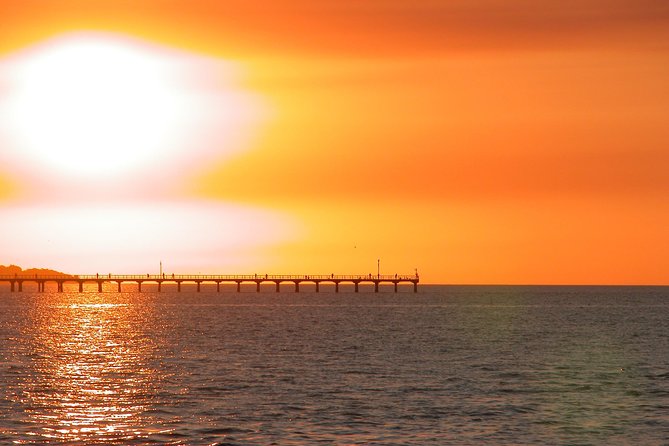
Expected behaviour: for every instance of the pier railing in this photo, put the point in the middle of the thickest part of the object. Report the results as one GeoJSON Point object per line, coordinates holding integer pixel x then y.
{"type": "Point", "coordinates": [17, 280]}
{"type": "Point", "coordinates": [191, 277]}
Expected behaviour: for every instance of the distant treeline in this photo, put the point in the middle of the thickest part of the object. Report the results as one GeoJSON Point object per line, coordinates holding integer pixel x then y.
{"type": "Point", "coordinates": [12, 270]}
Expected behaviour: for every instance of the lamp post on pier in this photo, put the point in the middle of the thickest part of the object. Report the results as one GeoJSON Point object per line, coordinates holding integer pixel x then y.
{"type": "Point", "coordinates": [378, 268]}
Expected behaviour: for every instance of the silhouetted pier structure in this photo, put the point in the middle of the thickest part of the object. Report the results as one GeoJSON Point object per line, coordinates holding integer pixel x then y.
{"type": "Point", "coordinates": [16, 282]}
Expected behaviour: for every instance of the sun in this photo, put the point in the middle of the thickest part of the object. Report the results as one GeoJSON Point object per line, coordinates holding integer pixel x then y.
{"type": "Point", "coordinates": [91, 104]}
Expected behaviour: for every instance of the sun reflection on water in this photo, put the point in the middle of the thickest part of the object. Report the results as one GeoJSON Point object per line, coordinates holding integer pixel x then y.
{"type": "Point", "coordinates": [92, 378]}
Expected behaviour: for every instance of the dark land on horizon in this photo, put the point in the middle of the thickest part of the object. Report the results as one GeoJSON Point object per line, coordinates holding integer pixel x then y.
{"type": "Point", "coordinates": [30, 272]}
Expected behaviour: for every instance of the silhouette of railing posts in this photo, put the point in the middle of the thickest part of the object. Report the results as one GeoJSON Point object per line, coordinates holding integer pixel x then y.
{"type": "Point", "coordinates": [16, 282]}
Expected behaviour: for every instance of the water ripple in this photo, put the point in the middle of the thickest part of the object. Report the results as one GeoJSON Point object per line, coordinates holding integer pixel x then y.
{"type": "Point", "coordinates": [451, 365]}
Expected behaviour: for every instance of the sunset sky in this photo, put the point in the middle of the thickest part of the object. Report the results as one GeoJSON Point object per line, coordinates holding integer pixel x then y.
{"type": "Point", "coordinates": [487, 141]}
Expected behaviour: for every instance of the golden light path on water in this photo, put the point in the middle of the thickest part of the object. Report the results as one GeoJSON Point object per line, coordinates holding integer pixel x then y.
{"type": "Point", "coordinates": [92, 377]}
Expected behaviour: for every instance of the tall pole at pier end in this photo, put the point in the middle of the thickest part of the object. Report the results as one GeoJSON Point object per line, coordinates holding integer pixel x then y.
{"type": "Point", "coordinates": [378, 268]}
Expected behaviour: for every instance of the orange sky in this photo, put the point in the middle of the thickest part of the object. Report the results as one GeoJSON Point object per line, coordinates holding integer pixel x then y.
{"type": "Point", "coordinates": [480, 142]}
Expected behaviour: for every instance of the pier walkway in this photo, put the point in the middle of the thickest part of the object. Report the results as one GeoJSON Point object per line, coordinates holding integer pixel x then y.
{"type": "Point", "coordinates": [17, 281]}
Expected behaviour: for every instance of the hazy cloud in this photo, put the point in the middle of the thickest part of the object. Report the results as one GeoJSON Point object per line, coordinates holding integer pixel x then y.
{"type": "Point", "coordinates": [371, 27]}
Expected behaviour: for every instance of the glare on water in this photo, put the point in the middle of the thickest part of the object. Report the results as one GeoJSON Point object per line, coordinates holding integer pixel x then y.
{"type": "Point", "coordinates": [91, 375]}
{"type": "Point", "coordinates": [448, 365]}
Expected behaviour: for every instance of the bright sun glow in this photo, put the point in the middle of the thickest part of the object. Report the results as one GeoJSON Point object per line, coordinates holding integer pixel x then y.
{"type": "Point", "coordinates": [102, 130]}
{"type": "Point", "coordinates": [95, 105]}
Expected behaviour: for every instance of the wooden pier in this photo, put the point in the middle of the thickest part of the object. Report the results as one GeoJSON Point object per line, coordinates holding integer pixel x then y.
{"type": "Point", "coordinates": [17, 281]}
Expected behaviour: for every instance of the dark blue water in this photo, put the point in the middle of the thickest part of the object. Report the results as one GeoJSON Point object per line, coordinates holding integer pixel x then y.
{"type": "Point", "coordinates": [449, 365]}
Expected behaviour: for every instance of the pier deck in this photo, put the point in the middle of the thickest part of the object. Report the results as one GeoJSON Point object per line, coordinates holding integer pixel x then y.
{"type": "Point", "coordinates": [17, 281]}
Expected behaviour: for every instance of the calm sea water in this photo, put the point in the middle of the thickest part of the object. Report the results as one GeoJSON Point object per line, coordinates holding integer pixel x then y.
{"type": "Point", "coordinates": [449, 365]}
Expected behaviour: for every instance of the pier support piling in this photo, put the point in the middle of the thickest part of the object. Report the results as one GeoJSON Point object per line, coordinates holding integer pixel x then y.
{"type": "Point", "coordinates": [16, 282]}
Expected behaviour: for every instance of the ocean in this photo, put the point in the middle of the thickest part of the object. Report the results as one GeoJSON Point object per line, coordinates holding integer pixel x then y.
{"type": "Point", "coordinates": [450, 365]}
